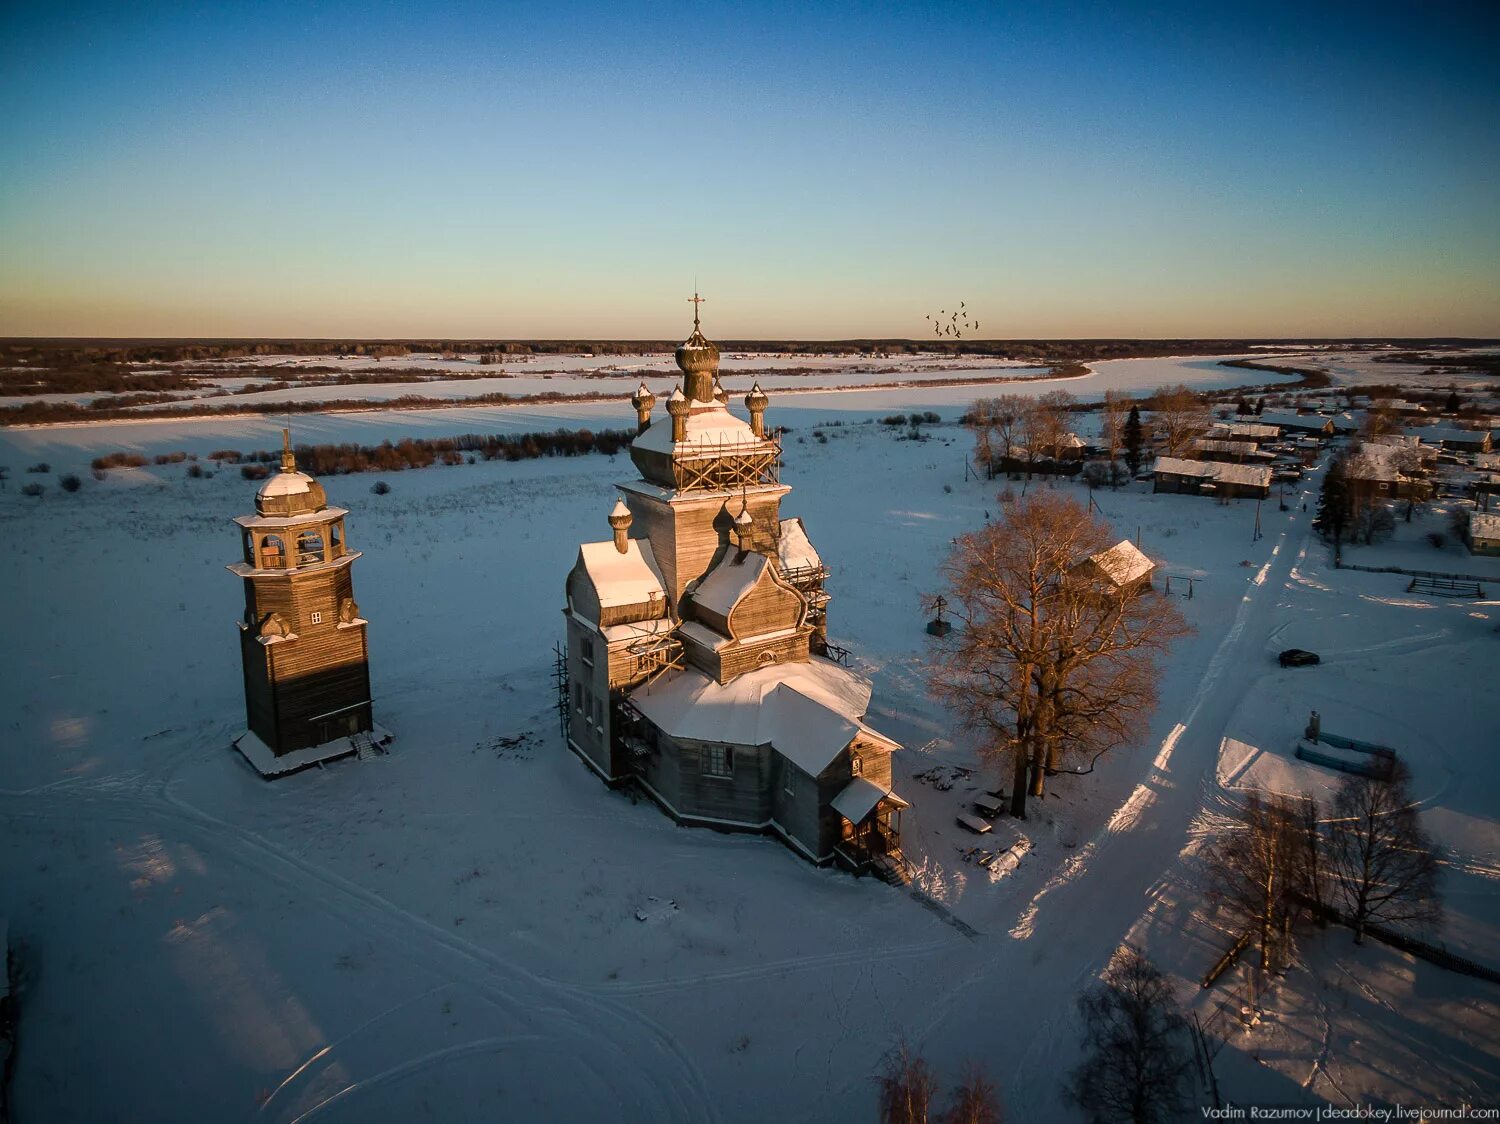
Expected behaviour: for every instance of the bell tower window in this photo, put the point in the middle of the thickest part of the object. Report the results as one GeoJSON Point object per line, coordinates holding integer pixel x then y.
{"type": "Point", "coordinates": [309, 548]}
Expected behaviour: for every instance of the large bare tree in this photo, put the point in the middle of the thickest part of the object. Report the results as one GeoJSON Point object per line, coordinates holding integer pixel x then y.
{"type": "Point", "coordinates": [1260, 867]}
{"type": "Point", "coordinates": [1046, 666]}
{"type": "Point", "coordinates": [1384, 866]}
{"type": "Point", "coordinates": [1113, 412]}
{"type": "Point", "coordinates": [1179, 415]}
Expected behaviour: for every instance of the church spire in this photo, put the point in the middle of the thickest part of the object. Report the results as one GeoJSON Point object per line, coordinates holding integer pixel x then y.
{"type": "Point", "coordinates": [288, 461]}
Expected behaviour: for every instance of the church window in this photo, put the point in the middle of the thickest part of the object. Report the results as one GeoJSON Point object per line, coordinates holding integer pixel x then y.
{"type": "Point", "coordinates": [316, 618]}
{"type": "Point", "coordinates": [856, 765]}
{"type": "Point", "coordinates": [578, 697]}
{"type": "Point", "coordinates": [789, 779]}
{"type": "Point", "coordinates": [586, 651]}
{"type": "Point", "coordinates": [717, 761]}
{"type": "Point", "coordinates": [598, 713]}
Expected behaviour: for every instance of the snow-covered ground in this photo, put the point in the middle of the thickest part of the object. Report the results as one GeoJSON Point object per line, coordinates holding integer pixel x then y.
{"type": "Point", "coordinates": [619, 376]}
{"type": "Point", "coordinates": [453, 928]}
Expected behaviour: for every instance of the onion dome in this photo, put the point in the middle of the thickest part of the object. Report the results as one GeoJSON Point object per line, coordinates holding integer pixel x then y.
{"type": "Point", "coordinates": [289, 492]}
{"type": "Point", "coordinates": [743, 521]}
{"type": "Point", "coordinates": [721, 395]}
{"type": "Point", "coordinates": [698, 359]}
{"type": "Point", "coordinates": [643, 400]}
{"type": "Point", "coordinates": [619, 516]}
{"type": "Point", "coordinates": [677, 403]}
{"type": "Point", "coordinates": [756, 400]}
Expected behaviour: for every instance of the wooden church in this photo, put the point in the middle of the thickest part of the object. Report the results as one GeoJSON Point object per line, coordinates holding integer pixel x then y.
{"type": "Point", "coordinates": [697, 665]}
{"type": "Point", "coordinates": [302, 639]}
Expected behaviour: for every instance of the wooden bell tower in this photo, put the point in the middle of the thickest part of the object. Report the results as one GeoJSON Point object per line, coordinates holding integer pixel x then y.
{"type": "Point", "coordinates": [302, 639]}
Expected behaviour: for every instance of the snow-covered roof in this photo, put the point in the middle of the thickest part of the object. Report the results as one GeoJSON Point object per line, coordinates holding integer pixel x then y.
{"type": "Point", "coordinates": [286, 484]}
{"type": "Point", "coordinates": [709, 424]}
{"type": "Point", "coordinates": [1295, 421]}
{"type": "Point", "coordinates": [1406, 440]}
{"type": "Point", "coordinates": [721, 588]}
{"type": "Point", "coordinates": [808, 711]}
{"type": "Point", "coordinates": [1254, 430]}
{"type": "Point", "coordinates": [1446, 434]}
{"type": "Point", "coordinates": [1180, 466]}
{"type": "Point", "coordinates": [858, 798]}
{"type": "Point", "coordinates": [1485, 525]}
{"type": "Point", "coordinates": [795, 548]}
{"type": "Point", "coordinates": [622, 579]}
{"type": "Point", "coordinates": [1123, 562]}
{"type": "Point", "coordinates": [1239, 448]}
{"type": "Point", "coordinates": [1253, 474]}
{"type": "Point", "coordinates": [272, 522]}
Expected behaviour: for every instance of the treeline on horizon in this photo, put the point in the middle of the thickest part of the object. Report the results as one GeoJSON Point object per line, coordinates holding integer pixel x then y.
{"type": "Point", "coordinates": [123, 350]}
{"type": "Point", "coordinates": [343, 458]}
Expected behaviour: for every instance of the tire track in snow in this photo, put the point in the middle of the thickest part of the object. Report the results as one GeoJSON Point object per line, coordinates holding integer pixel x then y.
{"type": "Point", "coordinates": [574, 1012]}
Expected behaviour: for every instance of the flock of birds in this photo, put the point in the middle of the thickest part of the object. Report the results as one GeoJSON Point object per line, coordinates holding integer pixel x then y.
{"type": "Point", "coordinates": [955, 324]}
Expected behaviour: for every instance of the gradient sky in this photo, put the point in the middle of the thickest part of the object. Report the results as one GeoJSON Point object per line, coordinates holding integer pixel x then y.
{"type": "Point", "coordinates": [390, 170]}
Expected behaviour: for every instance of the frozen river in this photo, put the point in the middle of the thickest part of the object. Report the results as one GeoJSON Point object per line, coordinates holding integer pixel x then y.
{"type": "Point", "coordinates": [70, 447]}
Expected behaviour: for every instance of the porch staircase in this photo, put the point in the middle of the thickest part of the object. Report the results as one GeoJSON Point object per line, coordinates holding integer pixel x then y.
{"type": "Point", "coordinates": [891, 868]}
{"type": "Point", "coordinates": [364, 746]}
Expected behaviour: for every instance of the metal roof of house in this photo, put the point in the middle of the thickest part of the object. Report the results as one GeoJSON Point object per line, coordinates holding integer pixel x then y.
{"type": "Point", "coordinates": [858, 799]}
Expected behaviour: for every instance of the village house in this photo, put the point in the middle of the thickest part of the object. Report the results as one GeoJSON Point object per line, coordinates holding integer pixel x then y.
{"type": "Point", "coordinates": [697, 665]}
{"type": "Point", "coordinates": [1387, 471]}
{"type": "Point", "coordinates": [1211, 478]}
{"type": "Point", "coordinates": [1454, 438]}
{"type": "Point", "coordinates": [302, 638]}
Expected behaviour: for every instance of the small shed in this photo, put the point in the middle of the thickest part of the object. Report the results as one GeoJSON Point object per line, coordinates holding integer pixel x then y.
{"type": "Point", "coordinates": [1484, 532]}
{"type": "Point", "coordinates": [1122, 569]}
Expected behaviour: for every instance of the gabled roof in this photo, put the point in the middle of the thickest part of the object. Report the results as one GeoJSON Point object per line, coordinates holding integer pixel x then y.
{"type": "Point", "coordinates": [858, 798]}
{"type": "Point", "coordinates": [1123, 563]}
{"type": "Point", "coordinates": [1254, 474]}
{"type": "Point", "coordinates": [622, 579]}
{"type": "Point", "coordinates": [723, 587]}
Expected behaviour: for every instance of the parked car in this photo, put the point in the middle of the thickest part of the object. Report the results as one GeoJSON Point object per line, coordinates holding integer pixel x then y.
{"type": "Point", "coordinates": [1298, 657]}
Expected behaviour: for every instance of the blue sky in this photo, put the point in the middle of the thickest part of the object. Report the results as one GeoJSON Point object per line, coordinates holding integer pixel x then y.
{"type": "Point", "coordinates": [823, 170]}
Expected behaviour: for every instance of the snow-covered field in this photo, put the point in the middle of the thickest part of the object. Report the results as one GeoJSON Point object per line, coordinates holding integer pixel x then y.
{"type": "Point", "coordinates": [616, 376]}
{"type": "Point", "coordinates": [74, 444]}
{"type": "Point", "coordinates": [453, 929]}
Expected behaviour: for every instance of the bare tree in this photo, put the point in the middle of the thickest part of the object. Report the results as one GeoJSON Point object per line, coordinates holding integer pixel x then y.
{"type": "Point", "coordinates": [1113, 413]}
{"type": "Point", "coordinates": [1180, 415]}
{"type": "Point", "coordinates": [974, 1100]}
{"type": "Point", "coordinates": [1137, 1067]}
{"type": "Point", "coordinates": [1046, 666]}
{"type": "Point", "coordinates": [1258, 868]}
{"type": "Point", "coordinates": [1384, 866]}
{"type": "Point", "coordinates": [980, 420]}
{"type": "Point", "coordinates": [906, 1087]}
